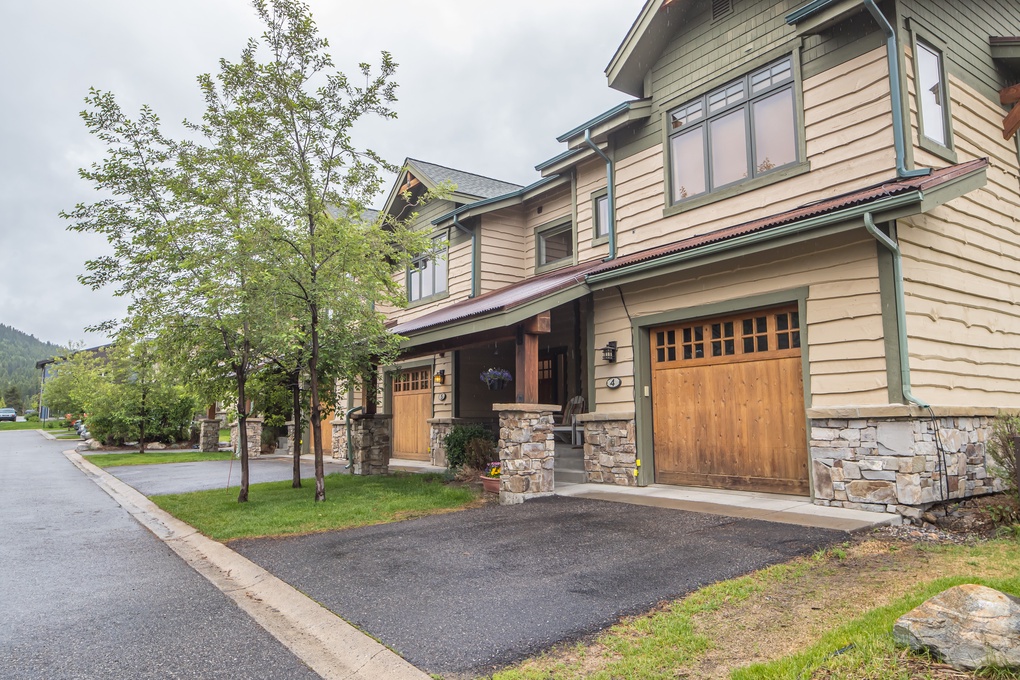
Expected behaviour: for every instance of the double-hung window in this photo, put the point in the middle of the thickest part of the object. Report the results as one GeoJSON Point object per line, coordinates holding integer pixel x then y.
{"type": "Point", "coordinates": [427, 274]}
{"type": "Point", "coordinates": [601, 216]}
{"type": "Point", "coordinates": [554, 245]}
{"type": "Point", "coordinates": [742, 130]}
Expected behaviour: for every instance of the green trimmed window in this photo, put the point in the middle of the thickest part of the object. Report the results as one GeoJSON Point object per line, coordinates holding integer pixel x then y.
{"type": "Point", "coordinates": [742, 130]}
{"type": "Point", "coordinates": [601, 212]}
{"type": "Point", "coordinates": [427, 275]}
{"type": "Point", "coordinates": [555, 245]}
{"type": "Point", "coordinates": [932, 98]}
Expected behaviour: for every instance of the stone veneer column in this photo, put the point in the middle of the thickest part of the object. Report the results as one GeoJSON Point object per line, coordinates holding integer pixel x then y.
{"type": "Point", "coordinates": [371, 435]}
{"type": "Point", "coordinates": [885, 459]}
{"type": "Point", "coordinates": [610, 448]}
{"type": "Point", "coordinates": [526, 451]}
{"type": "Point", "coordinates": [209, 435]}
{"type": "Point", "coordinates": [254, 437]}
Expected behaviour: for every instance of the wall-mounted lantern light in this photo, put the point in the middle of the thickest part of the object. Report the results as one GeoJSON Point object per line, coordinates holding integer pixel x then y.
{"type": "Point", "coordinates": [440, 377]}
{"type": "Point", "coordinates": [609, 352]}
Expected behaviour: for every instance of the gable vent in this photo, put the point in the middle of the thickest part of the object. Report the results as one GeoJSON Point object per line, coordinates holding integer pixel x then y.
{"type": "Point", "coordinates": [721, 8]}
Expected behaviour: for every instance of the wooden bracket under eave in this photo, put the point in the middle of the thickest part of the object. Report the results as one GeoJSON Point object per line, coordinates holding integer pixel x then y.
{"type": "Point", "coordinates": [1011, 123]}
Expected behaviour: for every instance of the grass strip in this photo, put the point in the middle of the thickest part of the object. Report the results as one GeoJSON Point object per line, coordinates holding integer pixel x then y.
{"type": "Point", "coordinates": [7, 426]}
{"type": "Point", "coordinates": [105, 460]}
{"type": "Point", "coordinates": [277, 509]}
{"type": "Point", "coordinates": [864, 647]}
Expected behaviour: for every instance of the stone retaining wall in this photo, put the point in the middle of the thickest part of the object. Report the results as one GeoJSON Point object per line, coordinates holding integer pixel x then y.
{"type": "Point", "coordinates": [892, 464]}
{"type": "Point", "coordinates": [610, 449]}
{"type": "Point", "coordinates": [440, 427]}
{"type": "Point", "coordinates": [526, 451]}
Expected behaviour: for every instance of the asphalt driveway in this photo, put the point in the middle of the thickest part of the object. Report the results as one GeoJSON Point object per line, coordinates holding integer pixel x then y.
{"type": "Point", "coordinates": [467, 591]}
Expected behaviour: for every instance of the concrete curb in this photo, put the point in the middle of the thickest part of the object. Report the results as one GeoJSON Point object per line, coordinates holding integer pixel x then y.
{"type": "Point", "coordinates": [326, 643]}
{"type": "Point", "coordinates": [46, 434]}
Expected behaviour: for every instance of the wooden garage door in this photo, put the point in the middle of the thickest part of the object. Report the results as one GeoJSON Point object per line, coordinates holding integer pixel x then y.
{"type": "Point", "coordinates": [728, 403]}
{"type": "Point", "coordinates": [412, 407]}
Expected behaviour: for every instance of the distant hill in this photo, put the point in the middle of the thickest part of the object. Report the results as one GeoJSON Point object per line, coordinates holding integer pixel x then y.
{"type": "Point", "coordinates": [18, 354]}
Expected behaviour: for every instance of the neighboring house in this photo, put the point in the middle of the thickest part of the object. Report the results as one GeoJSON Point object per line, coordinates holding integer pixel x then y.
{"type": "Point", "coordinates": [808, 234]}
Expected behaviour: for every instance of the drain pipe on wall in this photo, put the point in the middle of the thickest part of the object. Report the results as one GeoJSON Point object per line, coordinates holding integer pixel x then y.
{"type": "Point", "coordinates": [901, 313]}
{"type": "Point", "coordinates": [610, 194]}
{"type": "Point", "coordinates": [899, 125]}
{"type": "Point", "coordinates": [474, 237]}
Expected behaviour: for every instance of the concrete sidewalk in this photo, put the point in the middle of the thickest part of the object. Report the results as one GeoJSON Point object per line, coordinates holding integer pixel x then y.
{"type": "Point", "coordinates": [748, 505]}
{"type": "Point", "coordinates": [326, 643]}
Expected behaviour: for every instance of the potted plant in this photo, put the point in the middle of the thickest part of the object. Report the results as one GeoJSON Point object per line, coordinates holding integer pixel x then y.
{"type": "Point", "coordinates": [490, 479]}
{"type": "Point", "coordinates": [496, 378]}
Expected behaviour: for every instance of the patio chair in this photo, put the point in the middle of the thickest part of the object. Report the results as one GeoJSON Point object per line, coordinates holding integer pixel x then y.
{"type": "Point", "coordinates": [568, 426]}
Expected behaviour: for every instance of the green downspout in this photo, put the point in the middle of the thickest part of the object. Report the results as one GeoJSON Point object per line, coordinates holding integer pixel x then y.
{"type": "Point", "coordinates": [610, 194]}
{"type": "Point", "coordinates": [347, 422]}
{"type": "Point", "coordinates": [901, 312]}
{"type": "Point", "coordinates": [474, 253]}
{"type": "Point", "coordinates": [893, 58]}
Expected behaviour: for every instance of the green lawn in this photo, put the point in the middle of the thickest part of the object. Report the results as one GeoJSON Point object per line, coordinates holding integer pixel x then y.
{"type": "Point", "coordinates": [5, 426]}
{"type": "Point", "coordinates": [224, 434]}
{"type": "Point", "coordinates": [275, 509]}
{"type": "Point", "coordinates": [105, 460]}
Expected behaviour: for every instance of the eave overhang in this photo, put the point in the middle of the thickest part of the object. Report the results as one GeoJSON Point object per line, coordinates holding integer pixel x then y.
{"type": "Point", "coordinates": [513, 198]}
{"type": "Point", "coordinates": [1006, 49]}
{"type": "Point", "coordinates": [818, 15]}
{"type": "Point", "coordinates": [888, 201]}
{"type": "Point", "coordinates": [644, 42]}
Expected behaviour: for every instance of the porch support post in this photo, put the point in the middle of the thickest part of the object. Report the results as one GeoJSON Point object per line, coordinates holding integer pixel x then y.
{"type": "Point", "coordinates": [526, 384]}
{"type": "Point", "coordinates": [209, 434]}
{"type": "Point", "coordinates": [526, 451]}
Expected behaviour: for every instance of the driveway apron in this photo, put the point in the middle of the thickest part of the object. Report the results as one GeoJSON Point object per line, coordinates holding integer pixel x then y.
{"type": "Point", "coordinates": [87, 592]}
{"type": "Point", "coordinates": [468, 591]}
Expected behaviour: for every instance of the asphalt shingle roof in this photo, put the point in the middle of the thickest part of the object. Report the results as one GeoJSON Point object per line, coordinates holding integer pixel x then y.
{"type": "Point", "coordinates": [467, 183]}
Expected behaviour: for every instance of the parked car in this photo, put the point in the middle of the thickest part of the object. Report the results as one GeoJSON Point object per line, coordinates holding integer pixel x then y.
{"type": "Point", "coordinates": [8, 414]}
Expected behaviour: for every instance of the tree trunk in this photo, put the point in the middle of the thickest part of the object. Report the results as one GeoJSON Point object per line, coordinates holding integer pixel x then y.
{"type": "Point", "coordinates": [242, 432]}
{"type": "Point", "coordinates": [315, 408]}
{"type": "Point", "coordinates": [296, 376]}
{"type": "Point", "coordinates": [141, 426]}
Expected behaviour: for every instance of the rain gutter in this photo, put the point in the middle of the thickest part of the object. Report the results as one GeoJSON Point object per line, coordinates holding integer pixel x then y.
{"type": "Point", "coordinates": [610, 193]}
{"type": "Point", "coordinates": [893, 58]}
{"type": "Point", "coordinates": [901, 312]}
{"type": "Point", "coordinates": [888, 203]}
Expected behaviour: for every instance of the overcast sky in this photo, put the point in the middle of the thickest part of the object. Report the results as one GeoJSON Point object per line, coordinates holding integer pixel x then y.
{"type": "Point", "coordinates": [484, 87]}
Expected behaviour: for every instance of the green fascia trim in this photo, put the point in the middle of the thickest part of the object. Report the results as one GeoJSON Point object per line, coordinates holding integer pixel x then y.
{"type": "Point", "coordinates": [496, 320]}
{"type": "Point", "coordinates": [1007, 51]}
{"type": "Point", "coordinates": [601, 118]}
{"type": "Point", "coordinates": [557, 159]}
{"type": "Point", "coordinates": [579, 155]}
{"type": "Point", "coordinates": [950, 190]}
{"type": "Point", "coordinates": [639, 110]}
{"type": "Point", "coordinates": [843, 219]}
{"type": "Point", "coordinates": [807, 10]}
{"type": "Point", "coordinates": [497, 202]}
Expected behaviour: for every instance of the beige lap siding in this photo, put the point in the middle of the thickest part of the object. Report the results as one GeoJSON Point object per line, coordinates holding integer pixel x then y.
{"type": "Point", "coordinates": [844, 322]}
{"type": "Point", "coordinates": [961, 263]}
{"type": "Point", "coordinates": [846, 152]}
{"type": "Point", "coordinates": [502, 249]}
{"type": "Point", "coordinates": [556, 205]}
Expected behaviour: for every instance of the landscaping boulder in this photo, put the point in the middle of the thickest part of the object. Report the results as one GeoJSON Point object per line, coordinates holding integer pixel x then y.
{"type": "Point", "coordinates": [968, 627]}
{"type": "Point", "coordinates": [155, 446]}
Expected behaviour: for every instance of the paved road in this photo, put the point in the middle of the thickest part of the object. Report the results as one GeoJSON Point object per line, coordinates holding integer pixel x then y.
{"type": "Point", "coordinates": [86, 592]}
{"type": "Point", "coordinates": [467, 591]}
{"type": "Point", "coordinates": [154, 480]}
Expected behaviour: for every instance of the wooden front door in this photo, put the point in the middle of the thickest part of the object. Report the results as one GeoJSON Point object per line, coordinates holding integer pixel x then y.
{"type": "Point", "coordinates": [552, 376]}
{"type": "Point", "coordinates": [412, 407]}
{"type": "Point", "coordinates": [728, 403]}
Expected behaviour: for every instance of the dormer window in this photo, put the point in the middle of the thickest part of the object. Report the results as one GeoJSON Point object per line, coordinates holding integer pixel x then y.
{"type": "Point", "coordinates": [742, 130]}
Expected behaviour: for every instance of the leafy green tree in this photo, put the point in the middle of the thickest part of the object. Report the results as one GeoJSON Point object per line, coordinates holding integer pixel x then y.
{"type": "Point", "coordinates": [12, 398]}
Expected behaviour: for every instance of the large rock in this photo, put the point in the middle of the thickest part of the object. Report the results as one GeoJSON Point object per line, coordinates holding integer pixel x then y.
{"type": "Point", "coordinates": [967, 626]}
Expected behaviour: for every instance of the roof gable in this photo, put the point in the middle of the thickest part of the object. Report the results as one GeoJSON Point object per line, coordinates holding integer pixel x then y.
{"type": "Point", "coordinates": [647, 38]}
{"type": "Point", "coordinates": [469, 187]}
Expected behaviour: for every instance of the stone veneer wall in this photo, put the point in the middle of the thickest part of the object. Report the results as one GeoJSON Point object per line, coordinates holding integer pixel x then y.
{"type": "Point", "coordinates": [891, 464]}
{"type": "Point", "coordinates": [371, 437]}
{"type": "Point", "coordinates": [209, 435]}
{"type": "Point", "coordinates": [526, 451]}
{"type": "Point", "coordinates": [338, 441]}
{"type": "Point", "coordinates": [440, 427]}
{"type": "Point", "coordinates": [254, 429]}
{"type": "Point", "coordinates": [610, 449]}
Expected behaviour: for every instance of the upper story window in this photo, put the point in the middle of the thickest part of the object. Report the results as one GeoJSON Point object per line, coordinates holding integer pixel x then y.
{"type": "Point", "coordinates": [931, 94]}
{"type": "Point", "coordinates": [555, 245]}
{"type": "Point", "coordinates": [601, 212]}
{"type": "Point", "coordinates": [739, 131]}
{"type": "Point", "coordinates": [427, 275]}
